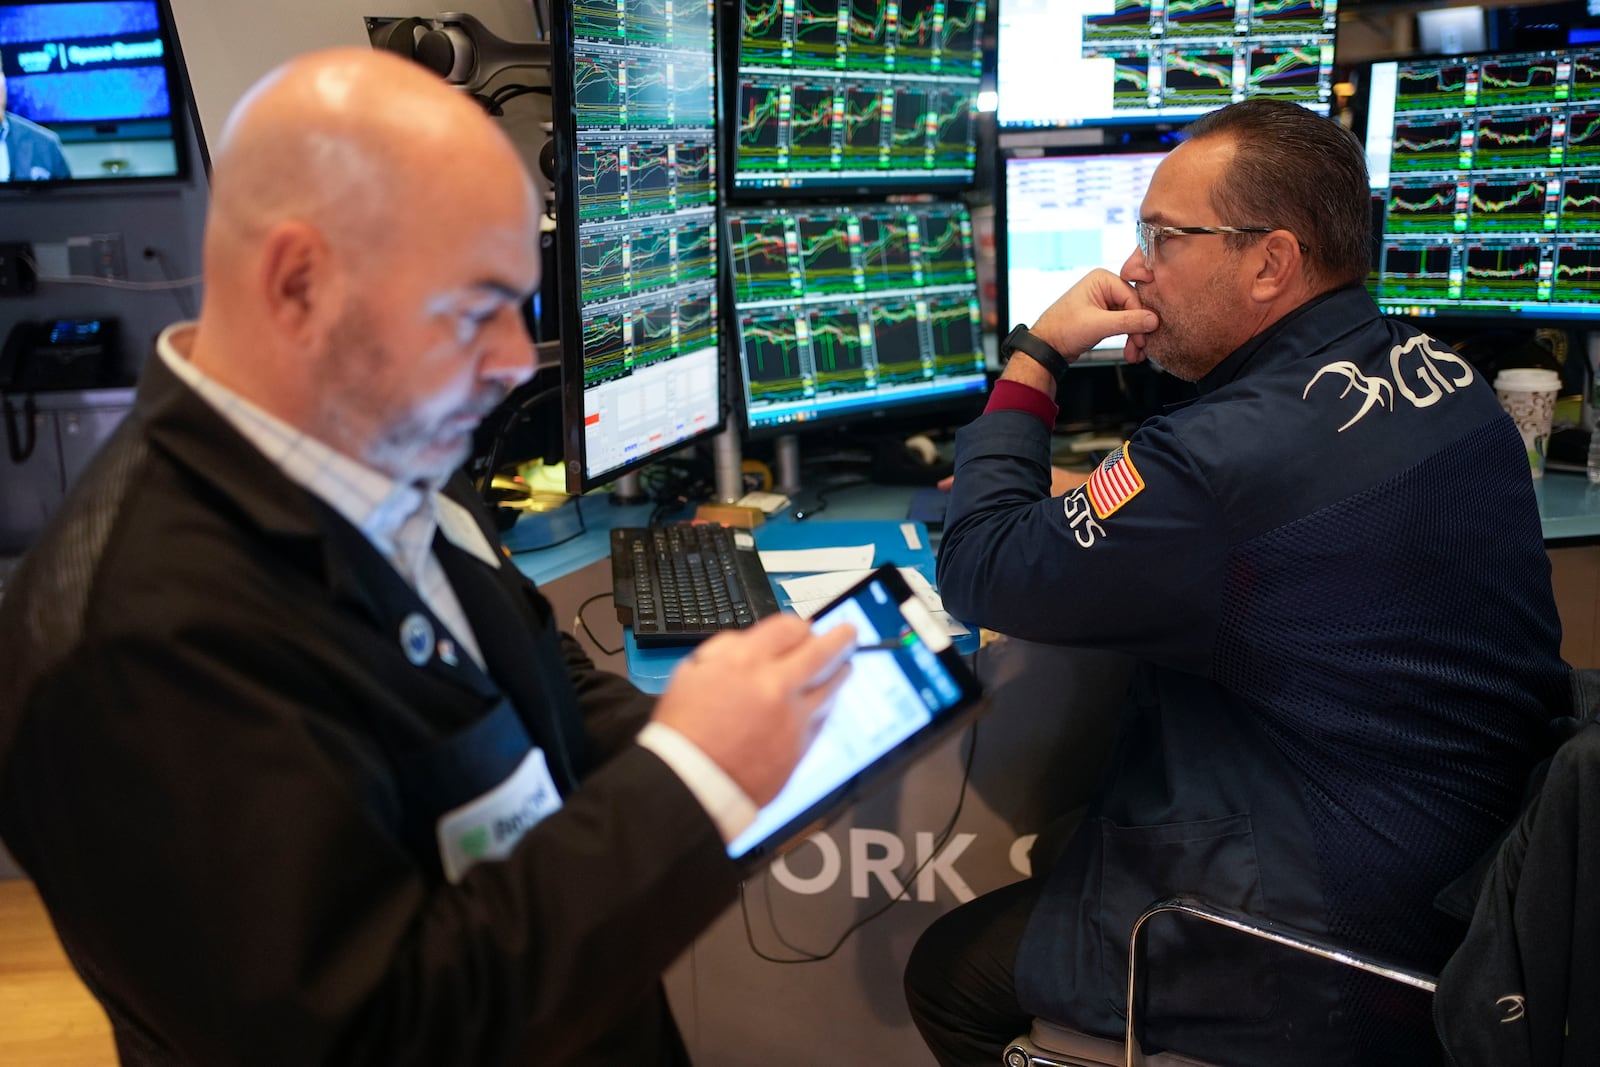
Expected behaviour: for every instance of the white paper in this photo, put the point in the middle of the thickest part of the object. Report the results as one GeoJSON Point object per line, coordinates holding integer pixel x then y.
{"type": "Point", "coordinates": [805, 561]}
{"type": "Point", "coordinates": [809, 595]}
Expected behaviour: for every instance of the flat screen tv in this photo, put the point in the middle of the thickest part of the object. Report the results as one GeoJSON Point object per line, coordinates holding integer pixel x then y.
{"type": "Point", "coordinates": [90, 92]}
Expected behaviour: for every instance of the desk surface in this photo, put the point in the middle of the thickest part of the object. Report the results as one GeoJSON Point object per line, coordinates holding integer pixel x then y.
{"type": "Point", "coordinates": [1569, 510]}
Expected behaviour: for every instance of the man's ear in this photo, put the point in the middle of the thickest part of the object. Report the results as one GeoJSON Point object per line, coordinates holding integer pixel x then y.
{"type": "Point", "coordinates": [299, 280]}
{"type": "Point", "coordinates": [1281, 266]}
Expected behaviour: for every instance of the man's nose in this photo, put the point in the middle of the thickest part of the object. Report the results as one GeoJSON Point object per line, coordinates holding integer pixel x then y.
{"type": "Point", "coordinates": [1135, 269]}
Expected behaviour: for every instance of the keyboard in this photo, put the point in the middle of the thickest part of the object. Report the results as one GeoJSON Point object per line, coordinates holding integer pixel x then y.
{"type": "Point", "coordinates": [679, 584]}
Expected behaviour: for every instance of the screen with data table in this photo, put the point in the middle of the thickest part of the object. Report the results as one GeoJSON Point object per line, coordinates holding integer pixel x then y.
{"type": "Point", "coordinates": [855, 94]}
{"type": "Point", "coordinates": [1486, 170]}
{"type": "Point", "coordinates": [636, 190]}
{"type": "Point", "coordinates": [1128, 62]}
{"type": "Point", "coordinates": [854, 311]}
{"type": "Point", "coordinates": [1061, 216]}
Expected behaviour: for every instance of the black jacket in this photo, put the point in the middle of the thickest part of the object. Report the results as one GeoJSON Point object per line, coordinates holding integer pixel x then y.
{"type": "Point", "coordinates": [224, 774]}
{"type": "Point", "coordinates": [1523, 988]}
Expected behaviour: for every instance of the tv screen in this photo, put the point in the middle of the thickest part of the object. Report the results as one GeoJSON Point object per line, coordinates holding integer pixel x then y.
{"type": "Point", "coordinates": [88, 92]}
{"type": "Point", "coordinates": [1486, 172]}
{"type": "Point", "coordinates": [1128, 62]}
{"type": "Point", "coordinates": [853, 96]}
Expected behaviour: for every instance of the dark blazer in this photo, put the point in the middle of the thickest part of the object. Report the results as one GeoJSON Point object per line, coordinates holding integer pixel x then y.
{"type": "Point", "coordinates": [224, 773]}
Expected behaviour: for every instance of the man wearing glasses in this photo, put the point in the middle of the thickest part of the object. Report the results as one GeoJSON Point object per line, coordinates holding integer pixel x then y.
{"type": "Point", "coordinates": [1330, 569]}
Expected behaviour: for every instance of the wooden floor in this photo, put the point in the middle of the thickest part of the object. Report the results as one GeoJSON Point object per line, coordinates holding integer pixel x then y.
{"type": "Point", "coordinates": [47, 1018]}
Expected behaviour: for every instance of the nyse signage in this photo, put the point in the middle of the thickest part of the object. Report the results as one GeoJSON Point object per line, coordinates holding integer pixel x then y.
{"type": "Point", "coordinates": [874, 858]}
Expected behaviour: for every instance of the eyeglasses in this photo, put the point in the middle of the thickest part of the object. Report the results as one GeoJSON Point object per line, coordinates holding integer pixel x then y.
{"type": "Point", "coordinates": [1151, 235]}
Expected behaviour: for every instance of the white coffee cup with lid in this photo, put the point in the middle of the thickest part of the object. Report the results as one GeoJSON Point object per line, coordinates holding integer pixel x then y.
{"type": "Point", "coordinates": [1529, 396]}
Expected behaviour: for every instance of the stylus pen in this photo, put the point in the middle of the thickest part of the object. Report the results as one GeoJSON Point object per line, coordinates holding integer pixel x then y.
{"type": "Point", "coordinates": [888, 645]}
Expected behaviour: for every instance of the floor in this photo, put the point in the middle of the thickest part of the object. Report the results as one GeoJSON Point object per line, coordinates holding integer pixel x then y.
{"type": "Point", "coordinates": [47, 1017]}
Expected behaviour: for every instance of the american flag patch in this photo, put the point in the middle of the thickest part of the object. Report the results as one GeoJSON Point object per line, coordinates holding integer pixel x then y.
{"type": "Point", "coordinates": [1114, 482]}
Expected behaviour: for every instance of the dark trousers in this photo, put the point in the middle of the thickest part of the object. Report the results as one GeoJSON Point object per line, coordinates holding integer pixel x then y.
{"type": "Point", "coordinates": [960, 979]}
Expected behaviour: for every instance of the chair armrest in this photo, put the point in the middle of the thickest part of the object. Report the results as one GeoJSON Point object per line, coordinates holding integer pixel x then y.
{"type": "Point", "coordinates": [1265, 930]}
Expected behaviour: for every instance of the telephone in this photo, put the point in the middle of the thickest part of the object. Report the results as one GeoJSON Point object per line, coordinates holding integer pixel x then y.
{"type": "Point", "coordinates": [41, 357]}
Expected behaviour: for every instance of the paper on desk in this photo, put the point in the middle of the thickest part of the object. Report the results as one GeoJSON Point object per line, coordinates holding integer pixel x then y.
{"type": "Point", "coordinates": [807, 596]}
{"type": "Point", "coordinates": [805, 561]}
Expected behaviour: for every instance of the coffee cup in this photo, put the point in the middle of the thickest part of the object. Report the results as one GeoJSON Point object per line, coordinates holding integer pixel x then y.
{"type": "Point", "coordinates": [1529, 396]}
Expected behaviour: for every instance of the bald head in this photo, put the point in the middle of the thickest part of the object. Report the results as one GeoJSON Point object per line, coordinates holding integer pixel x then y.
{"type": "Point", "coordinates": [371, 237]}
{"type": "Point", "coordinates": [349, 141]}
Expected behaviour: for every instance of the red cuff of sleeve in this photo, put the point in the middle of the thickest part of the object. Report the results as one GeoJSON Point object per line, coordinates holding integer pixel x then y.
{"type": "Point", "coordinates": [1008, 395]}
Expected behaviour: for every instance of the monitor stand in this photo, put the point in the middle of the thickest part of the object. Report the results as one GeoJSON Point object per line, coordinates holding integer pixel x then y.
{"type": "Point", "coordinates": [627, 490]}
{"type": "Point", "coordinates": [786, 451]}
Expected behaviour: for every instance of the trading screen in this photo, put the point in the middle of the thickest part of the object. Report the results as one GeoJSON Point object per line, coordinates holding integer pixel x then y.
{"type": "Point", "coordinates": [843, 311]}
{"type": "Point", "coordinates": [1114, 62]}
{"type": "Point", "coordinates": [644, 97]}
{"type": "Point", "coordinates": [856, 93]}
{"type": "Point", "coordinates": [1487, 169]}
{"type": "Point", "coordinates": [1063, 216]}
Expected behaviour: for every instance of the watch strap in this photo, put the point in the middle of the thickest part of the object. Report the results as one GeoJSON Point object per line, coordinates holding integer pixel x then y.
{"type": "Point", "coordinates": [1022, 339]}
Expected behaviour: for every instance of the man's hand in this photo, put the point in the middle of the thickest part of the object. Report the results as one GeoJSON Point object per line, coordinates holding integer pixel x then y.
{"type": "Point", "coordinates": [1100, 305]}
{"type": "Point", "coordinates": [753, 701]}
{"type": "Point", "coordinates": [1061, 480]}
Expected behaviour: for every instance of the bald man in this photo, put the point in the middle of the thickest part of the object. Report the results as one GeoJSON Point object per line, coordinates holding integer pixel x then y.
{"type": "Point", "coordinates": [300, 764]}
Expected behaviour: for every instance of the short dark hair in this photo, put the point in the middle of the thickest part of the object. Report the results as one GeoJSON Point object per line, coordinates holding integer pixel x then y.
{"type": "Point", "coordinates": [1299, 171]}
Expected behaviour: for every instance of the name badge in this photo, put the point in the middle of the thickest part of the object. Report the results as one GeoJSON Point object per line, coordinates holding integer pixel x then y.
{"type": "Point", "coordinates": [490, 826]}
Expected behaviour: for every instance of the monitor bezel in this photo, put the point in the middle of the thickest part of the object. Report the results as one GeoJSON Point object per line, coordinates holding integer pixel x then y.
{"type": "Point", "coordinates": [729, 143]}
{"type": "Point", "coordinates": [179, 102]}
{"type": "Point", "coordinates": [888, 418]}
{"type": "Point", "coordinates": [564, 136]}
{"type": "Point", "coordinates": [1002, 229]}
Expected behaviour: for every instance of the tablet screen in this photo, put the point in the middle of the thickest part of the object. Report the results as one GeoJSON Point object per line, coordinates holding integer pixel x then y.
{"type": "Point", "coordinates": [896, 701]}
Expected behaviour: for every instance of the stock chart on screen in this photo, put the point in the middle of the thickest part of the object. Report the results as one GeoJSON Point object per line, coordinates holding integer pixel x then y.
{"type": "Point", "coordinates": [849, 310]}
{"type": "Point", "coordinates": [640, 135]}
{"type": "Point", "coordinates": [1120, 62]}
{"type": "Point", "coordinates": [856, 94]}
{"type": "Point", "coordinates": [1487, 170]}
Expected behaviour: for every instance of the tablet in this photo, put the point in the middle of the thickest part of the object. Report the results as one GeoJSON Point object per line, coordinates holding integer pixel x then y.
{"type": "Point", "coordinates": [902, 697]}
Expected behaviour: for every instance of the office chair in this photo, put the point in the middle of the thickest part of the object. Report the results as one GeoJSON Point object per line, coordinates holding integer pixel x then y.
{"type": "Point", "coordinates": [1541, 1012]}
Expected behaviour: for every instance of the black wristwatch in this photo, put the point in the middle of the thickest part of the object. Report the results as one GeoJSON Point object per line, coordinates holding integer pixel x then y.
{"type": "Point", "coordinates": [1023, 340]}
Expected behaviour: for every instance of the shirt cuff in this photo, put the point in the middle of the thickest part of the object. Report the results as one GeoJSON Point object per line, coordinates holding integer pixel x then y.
{"type": "Point", "coordinates": [728, 805]}
{"type": "Point", "coordinates": [1008, 395]}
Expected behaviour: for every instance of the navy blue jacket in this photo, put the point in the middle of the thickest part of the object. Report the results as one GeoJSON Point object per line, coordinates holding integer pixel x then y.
{"type": "Point", "coordinates": [1331, 568]}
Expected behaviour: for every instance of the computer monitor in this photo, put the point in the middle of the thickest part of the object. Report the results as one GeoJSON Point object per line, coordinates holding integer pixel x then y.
{"type": "Point", "coordinates": [1061, 215]}
{"type": "Point", "coordinates": [1131, 62]}
{"type": "Point", "coordinates": [849, 96]}
{"type": "Point", "coordinates": [1486, 171]}
{"type": "Point", "coordinates": [850, 313]}
{"type": "Point", "coordinates": [636, 201]}
{"type": "Point", "coordinates": [91, 93]}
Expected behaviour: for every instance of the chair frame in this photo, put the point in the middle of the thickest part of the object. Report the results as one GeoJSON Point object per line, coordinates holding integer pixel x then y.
{"type": "Point", "coordinates": [1025, 1053]}
{"type": "Point", "coordinates": [1264, 930]}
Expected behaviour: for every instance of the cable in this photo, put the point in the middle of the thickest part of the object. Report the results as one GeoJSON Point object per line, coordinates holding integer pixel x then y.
{"type": "Point", "coordinates": [583, 528]}
{"type": "Point", "coordinates": [580, 624]}
{"type": "Point", "coordinates": [112, 283]}
{"type": "Point", "coordinates": [939, 842]}
{"type": "Point", "coordinates": [501, 431]}
{"type": "Point", "coordinates": [151, 252]}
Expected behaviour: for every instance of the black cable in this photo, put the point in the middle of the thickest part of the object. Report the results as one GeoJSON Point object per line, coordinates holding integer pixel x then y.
{"type": "Point", "coordinates": [583, 528]}
{"type": "Point", "coordinates": [821, 496]}
{"type": "Point", "coordinates": [497, 441]}
{"type": "Point", "coordinates": [939, 842]}
{"type": "Point", "coordinates": [511, 92]}
{"type": "Point", "coordinates": [584, 626]}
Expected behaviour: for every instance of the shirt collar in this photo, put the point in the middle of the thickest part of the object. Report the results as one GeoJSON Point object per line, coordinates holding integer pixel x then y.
{"type": "Point", "coordinates": [376, 504]}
